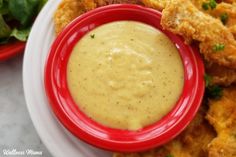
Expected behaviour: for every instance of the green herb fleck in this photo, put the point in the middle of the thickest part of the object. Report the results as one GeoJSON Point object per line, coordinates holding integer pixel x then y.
{"type": "Point", "coordinates": [205, 6]}
{"type": "Point", "coordinates": [218, 47]}
{"type": "Point", "coordinates": [92, 36]}
{"type": "Point", "coordinates": [212, 4]}
{"type": "Point", "coordinates": [208, 80]}
{"type": "Point", "coordinates": [224, 18]}
{"type": "Point", "coordinates": [214, 91]}
{"type": "Point", "coordinates": [169, 155]}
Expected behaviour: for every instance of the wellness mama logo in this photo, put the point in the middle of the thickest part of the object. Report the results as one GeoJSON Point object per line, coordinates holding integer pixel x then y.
{"type": "Point", "coordinates": [15, 152]}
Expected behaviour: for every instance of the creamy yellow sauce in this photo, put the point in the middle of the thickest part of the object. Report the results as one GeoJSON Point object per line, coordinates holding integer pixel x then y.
{"type": "Point", "coordinates": [125, 75]}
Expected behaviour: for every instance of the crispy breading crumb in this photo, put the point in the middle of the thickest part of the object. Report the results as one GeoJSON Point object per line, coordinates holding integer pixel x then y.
{"type": "Point", "coordinates": [68, 10]}
{"type": "Point", "coordinates": [222, 116]}
{"type": "Point", "coordinates": [156, 4]}
{"type": "Point", "coordinates": [191, 23]}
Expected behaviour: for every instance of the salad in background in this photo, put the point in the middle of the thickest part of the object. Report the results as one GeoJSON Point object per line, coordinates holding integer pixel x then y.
{"type": "Point", "coordinates": [16, 18]}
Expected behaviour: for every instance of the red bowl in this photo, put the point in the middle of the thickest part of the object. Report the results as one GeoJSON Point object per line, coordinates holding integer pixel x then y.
{"type": "Point", "coordinates": [104, 137]}
{"type": "Point", "coordinates": [11, 49]}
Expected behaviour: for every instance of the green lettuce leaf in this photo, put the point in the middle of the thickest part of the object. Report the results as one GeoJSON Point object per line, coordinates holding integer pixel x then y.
{"type": "Point", "coordinates": [17, 14]}
{"type": "Point", "coordinates": [41, 4]}
{"type": "Point", "coordinates": [21, 35]}
{"type": "Point", "coordinates": [4, 7]}
{"type": "Point", "coordinates": [5, 30]}
{"type": "Point", "coordinates": [23, 10]}
{"type": "Point", "coordinates": [1, 3]}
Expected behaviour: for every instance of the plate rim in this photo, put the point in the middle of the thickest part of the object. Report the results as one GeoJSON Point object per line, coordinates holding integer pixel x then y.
{"type": "Point", "coordinates": [54, 136]}
{"type": "Point", "coordinates": [26, 87]}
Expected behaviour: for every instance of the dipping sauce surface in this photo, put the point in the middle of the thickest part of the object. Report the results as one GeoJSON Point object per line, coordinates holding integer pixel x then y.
{"type": "Point", "coordinates": [125, 75]}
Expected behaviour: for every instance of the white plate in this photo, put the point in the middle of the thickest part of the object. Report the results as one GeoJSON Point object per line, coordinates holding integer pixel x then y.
{"type": "Point", "coordinates": [57, 139]}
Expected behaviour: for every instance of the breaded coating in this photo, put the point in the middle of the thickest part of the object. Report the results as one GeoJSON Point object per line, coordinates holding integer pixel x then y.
{"type": "Point", "coordinates": [107, 2]}
{"type": "Point", "coordinates": [68, 10]}
{"type": "Point", "coordinates": [225, 8]}
{"type": "Point", "coordinates": [222, 116]}
{"type": "Point", "coordinates": [156, 4]}
{"type": "Point", "coordinates": [233, 30]}
{"type": "Point", "coordinates": [228, 10]}
{"type": "Point", "coordinates": [220, 75]}
{"type": "Point", "coordinates": [198, 3]}
{"type": "Point", "coordinates": [189, 22]}
{"type": "Point", "coordinates": [192, 142]}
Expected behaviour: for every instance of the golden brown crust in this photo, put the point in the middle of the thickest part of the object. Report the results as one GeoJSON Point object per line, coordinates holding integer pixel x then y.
{"type": "Point", "coordinates": [107, 2]}
{"type": "Point", "coordinates": [222, 116]}
{"type": "Point", "coordinates": [156, 4]}
{"type": "Point", "coordinates": [233, 30]}
{"type": "Point", "coordinates": [68, 10]}
{"type": "Point", "coordinates": [229, 9]}
{"type": "Point", "coordinates": [222, 75]}
{"type": "Point", "coordinates": [189, 22]}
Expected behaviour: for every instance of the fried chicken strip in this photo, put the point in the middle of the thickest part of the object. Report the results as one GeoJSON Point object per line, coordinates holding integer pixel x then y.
{"type": "Point", "coordinates": [156, 4]}
{"type": "Point", "coordinates": [68, 10]}
{"type": "Point", "coordinates": [183, 18]}
{"type": "Point", "coordinates": [107, 2]}
{"type": "Point", "coordinates": [221, 74]}
{"type": "Point", "coordinates": [222, 115]}
{"type": "Point", "coordinates": [226, 8]}
{"type": "Point", "coordinates": [233, 30]}
{"type": "Point", "coordinates": [190, 143]}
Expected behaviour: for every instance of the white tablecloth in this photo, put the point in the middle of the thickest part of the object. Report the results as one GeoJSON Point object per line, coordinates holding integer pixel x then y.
{"type": "Point", "coordinates": [17, 133]}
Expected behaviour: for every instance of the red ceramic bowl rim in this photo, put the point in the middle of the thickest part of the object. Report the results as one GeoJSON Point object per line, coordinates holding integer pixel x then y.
{"type": "Point", "coordinates": [10, 50]}
{"type": "Point", "coordinates": [100, 136]}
